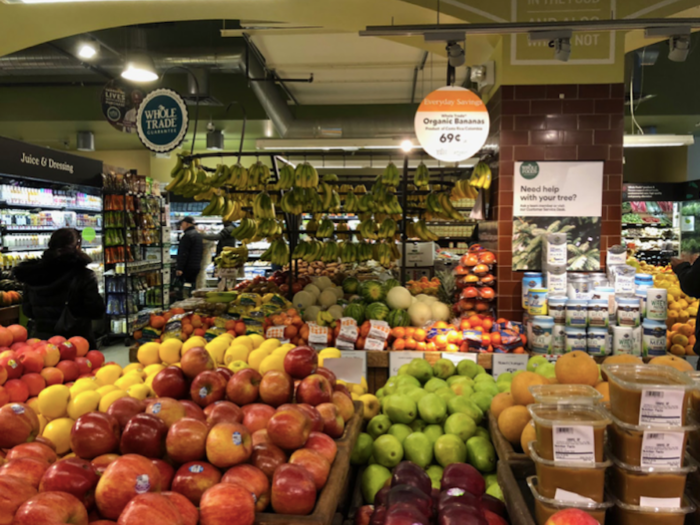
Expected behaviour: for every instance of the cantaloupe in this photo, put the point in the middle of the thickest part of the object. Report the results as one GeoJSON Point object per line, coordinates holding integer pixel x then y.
{"type": "Point", "coordinates": [327, 298]}
{"type": "Point", "coordinates": [399, 298]}
{"type": "Point", "coordinates": [440, 311]}
{"type": "Point", "coordinates": [302, 300]}
{"type": "Point", "coordinates": [311, 312]}
{"type": "Point", "coordinates": [324, 282]}
{"type": "Point", "coordinates": [336, 311]}
{"type": "Point", "coordinates": [312, 289]}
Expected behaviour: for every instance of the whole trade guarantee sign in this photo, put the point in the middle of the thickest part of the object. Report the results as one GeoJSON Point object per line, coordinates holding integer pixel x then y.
{"type": "Point", "coordinates": [452, 124]}
{"type": "Point", "coordinates": [162, 120]}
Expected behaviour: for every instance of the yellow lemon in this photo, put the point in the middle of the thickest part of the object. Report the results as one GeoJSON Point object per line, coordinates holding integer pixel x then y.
{"type": "Point", "coordinates": [216, 348]}
{"type": "Point", "coordinates": [79, 388]}
{"type": "Point", "coordinates": [139, 391]}
{"type": "Point", "coordinates": [58, 431]}
{"type": "Point", "coordinates": [149, 381]}
{"type": "Point", "coordinates": [236, 353]}
{"type": "Point", "coordinates": [89, 381]}
{"type": "Point", "coordinates": [270, 344]}
{"type": "Point", "coordinates": [110, 398]}
{"type": "Point", "coordinates": [257, 340]}
{"type": "Point", "coordinates": [83, 403]}
{"type": "Point", "coordinates": [256, 357]}
{"type": "Point", "coordinates": [343, 382]}
{"type": "Point", "coordinates": [244, 340]}
{"type": "Point", "coordinates": [133, 367]}
{"type": "Point", "coordinates": [53, 401]}
{"type": "Point", "coordinates": [330, 352]}
{"type": "Point", "coordinates": [104, 390]}
{"type": "Point", "coordinates": [272, 362]}
{"type": "Point", "coordinates": [235, 366]}
{"type": "Point", "coordinates": [170, 351]}
{"type": "Point", "coordinates": [33, 403]}
{"type": "Point", "coordinates": [123, 383]}
{"type": "Point", "coordinates": [108, 374]}
{"type": "Point", "coordinates": [152, 369]}
{"type": "Point", "coordinates": [354, 396]}
{"type": "Point", "coordinates": [68, 456]}
{"type": "Point", "coordinates": [148, 354]}
{"type": "Point", "coordinates": [227, 336]}
{"type": "Point", "coordinates": [193, 342]}
{"type": "Point", "coordinates": [363, 382]}
{"type": "Point", "coordinates": [282, 350]}
{"type": "Point", "coordinates": [358, 389]}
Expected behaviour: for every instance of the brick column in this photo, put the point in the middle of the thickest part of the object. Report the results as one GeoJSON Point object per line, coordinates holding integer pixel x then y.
{"type": "Point", "coordinates": [558, 123]}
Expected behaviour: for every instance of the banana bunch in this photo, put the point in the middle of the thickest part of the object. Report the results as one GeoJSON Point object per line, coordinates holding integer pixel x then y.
{"type": "Point", "coordinates": [351, 202]}
{"type": "Point", "coordinates": [238, 177]}
{"type": "Point", "coordinates": [330, 252]}
{"type": "Point", "coordinates": [422, 176]}
{"type": "Point", "coordinates": [421, 230]}
{"type": "Point", "coordinates": [368, 229]}
{"type": "Point", "coordinates": [246, 230]}
{"type": "Point", "coordinates": [220, 177]}
{"type": "Point", "coordinates": [387, 230]}
{"type": "Point", "coordinates": [391, 177]}
{"type": "Point", "coordinates": [463, 190]}
{"type": "Point", "coordinates": [305, 176]}
{"type": "Point", "coordinates": [308, 251]}
{"type": "Point", "coordinates": [183, 177]}
{"type": "Point", "coordinates": [312, 227]}
{"type": "Point", "coordinates": [293, 201]}
{"type": "Point", "coordinates": [365, 252]}
{"type": "Point", "coordinates": [258, 174]}
{"type": "Point", "coordinates": [231, 257]}
{"type": "Point", "coordinates": [325, 319]}
{"type": "Point", "coordinates": [216, 206]}
{"type": "Point", "coordinates": [346, 188]}
{"type": "Point", "coordinates": [277, 253]}
{"type": "Point", "coordinates": [366, 203]}
{"type": "Point", "coordinates": [271, 189]}
{"type": "Point", "coordinates": [263, 208]}
{"type": "Point", "coordinates": [439, 204]}
{"type": "Point", "coordinates": [233, 211]}
{"type": "Point", "coordinates": [385, 253]}
{"type": "Point", "coordinates": [286, 178]}
{"type": "Point", "coordinates": [360, 190]}
{"type": "Point", "coordinates": [343, 227]}
{"type": "Point", "coordinates": [481, 176]}
{"type": "Point", "coordinates": [268, 228]}
{"type": "Point", "coordinates": [325, 229]}
{"type": "Point", "coordinates": [449, 209]}
{"type": "Point", "coordinates": [348, 252]}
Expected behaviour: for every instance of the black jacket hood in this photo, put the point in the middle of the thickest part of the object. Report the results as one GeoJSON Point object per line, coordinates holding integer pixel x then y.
{"type": "Point", "coordinates": [49, 270]}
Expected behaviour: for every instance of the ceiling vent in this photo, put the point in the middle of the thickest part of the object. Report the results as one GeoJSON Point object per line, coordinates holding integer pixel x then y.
{"type": "Point", "coordinates": [198, 88]}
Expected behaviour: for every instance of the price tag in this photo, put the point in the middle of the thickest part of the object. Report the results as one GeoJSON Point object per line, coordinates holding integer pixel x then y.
{"type": "Point", "coordinates": [664, 406]}
{"type": "Point", "coordinates": [398, 359]}
{"type": "Point", "coordinates": [666, 503]}
{"type": "Point", "coordinates": [552, 358]}
{"type": "Point", "coordinates": [508, 363]}
{"type": "Point", "coordinates": [276, 332]}
{"type": "Point", "coordinates": [456, 357]}
{"type": "Point", "coordinates": [571, 497]}
{"type": "Point", "coordinates": [358, 355]}
{"type": "Point", "coordinates": [573, 443]}
{"type": "Point", "coordinates": [662, 449]}
{"type": "Point", "coordinates": [345, 368]}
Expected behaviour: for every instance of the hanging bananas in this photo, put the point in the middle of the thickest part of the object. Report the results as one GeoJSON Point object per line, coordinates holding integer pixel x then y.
{"type": "Point", "coordinates": [390, 176]}
{"type": "Point", "coordinates": [258, 174]}
{"type": "Point", "coordinates": [351, 202]}
{"type": "Point", "coordinates": [420, 229]}
{"type": "Point", "coordinates": [305, 176]}
{"type": "Point", "coordinates": [385, 253]}
{"type": "Point", "coordinates": [263, 208]}
{"type": "Point", "coordinates": [463, 190]}
{"type": "Point", "coordinates": [368, 229]}
{"type": "Point", "coordinates": [232, 257]}
{"type": "Point", "coordinates": [277, 253]}
{"type": "Point", "coordinates": [481, 176]}
{"type": "Point", "coordinates": [245, 230]}
{"type": "Point", "coordinates": [286, 178]}
{"type": "Point", "coordinates": [325, 229]}
{"type": "Point", "coordinates": [422, 176]}
{"type": "Point", "coordinates": [387, 230]}
{"type": "Point", "coordinates": [330, 252]}
{"type": "Point", "coordinates": [268, 228]}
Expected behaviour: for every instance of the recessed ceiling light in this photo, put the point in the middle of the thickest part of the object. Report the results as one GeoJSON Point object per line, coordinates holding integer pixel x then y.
{"type": "Point", "coordinates": [87, 50]}
{"type": "Point", "coordinates": [140, 68]}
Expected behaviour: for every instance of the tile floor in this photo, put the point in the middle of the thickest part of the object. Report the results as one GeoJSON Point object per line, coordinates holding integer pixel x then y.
{"type": "Point", "coordinates": [118, 353]}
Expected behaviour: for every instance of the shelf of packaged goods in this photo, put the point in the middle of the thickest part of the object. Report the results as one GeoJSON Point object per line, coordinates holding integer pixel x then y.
{"type": "Point", "coordinates": [654, 224]}
{"type": "Point", "coordinates": [632, 237]}
{"type": "Point", "coordinates": [8, 205]}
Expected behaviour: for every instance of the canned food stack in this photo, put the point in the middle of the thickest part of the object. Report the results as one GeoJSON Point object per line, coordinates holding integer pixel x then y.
{"type": "Point", "coordinates": [647, 443]}
{"type": "Point", "coordinates": [569, 455]}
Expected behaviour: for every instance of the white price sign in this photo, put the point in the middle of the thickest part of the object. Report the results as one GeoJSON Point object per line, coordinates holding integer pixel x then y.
{"type": "Point", "coordinates": [345, 368]}
{"type": "Point", "coordinates": [508, 363]}
{"type": "Point", "coordinates": [452, 124]}
{"type": "Point", "coordinates": [456, 357]}
{"type": "Point", "coordinates": [398, 359]}
{"type": "Point", "coordinates": [356, 354]}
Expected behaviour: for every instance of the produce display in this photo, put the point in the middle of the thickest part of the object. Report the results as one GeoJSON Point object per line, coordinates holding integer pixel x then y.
{"type": "Point", "coordinates": [10, 290]}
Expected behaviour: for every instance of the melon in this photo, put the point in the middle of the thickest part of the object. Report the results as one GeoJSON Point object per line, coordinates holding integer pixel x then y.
{"type": "Point", "coordinates": [420, 314]}
{"type": "Point", "coordinates": [378, 311]}
{"type": "Point", "coordinates": [323, 283]}
{"type": "Point", "coordinates": [311, 312]}
{"type": "Point", "coordinates": [427, 299]}
{"type": "Point", "coordinates": [399, 298]}
{"type": "Point", "coordinates": [302, 300]}
{"type": "Point", "coordinates": [372, 291]}
{"type": "Point", "coordinates": [398, 318]}
{"type": "Point", "coordinates": [327, 298]}
{"type": "Point", "coordinates": [336, 311]}
{"type": "Point", "coordinates": [313, 290]}
{"type": "Point", "coordinates": [338, 291]}
{"type": "Point", "coordinates": [356, 311]}
{"type": "Point", "coordinates": [389, 284]}
{"type": "Point", "coordinates": [440, 311]}
{"type": "Point", "coordinates": [351, 285]}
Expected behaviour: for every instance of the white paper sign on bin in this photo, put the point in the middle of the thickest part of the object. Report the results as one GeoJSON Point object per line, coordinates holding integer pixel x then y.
{"type": "Point", "coordinates": [345, 368]}
{"type": "Point", "coordinates": [398, 359]}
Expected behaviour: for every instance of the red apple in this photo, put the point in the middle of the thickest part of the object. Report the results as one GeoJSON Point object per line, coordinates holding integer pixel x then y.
{"type": "Point", "coordinates": [254, 480]}
{"type": "Point", "coordinates": [244, 387]}
{"type": "Point", "coordinates": [144, 434]}
{"type": "Point", "coordinates": [313, 415]}
{"type": "Point", "coordinates": [29, 470]}
{"type": "Point", "coordinates": [167, 409]}
{"type": "Point", "coordinates": [571, 517]}
{"type": "Point", "coordinates": [327, 374]}
{"type": "Point", "coordinates": [4, 394]}
{"type": "Point", "coordinates": [57, 340]}
{"type": "Point", "coordinates": [301, 362]}
{"type": "Point", "coordinates": [189, 513]}
{"type": "Point", "coordinates": [323, 444]}
{"type": "Point", "coordinates": [18, 345]}
{"type": "Point", "coordinates": [333, 423]}
{"type": "Point", "coordinates": [166, 471]}
{"type": "Point", "coordinates": [293, 491]}
{"type": "Point", "coordinates": [260, 436]}
{"type": "Point", "coordinates": [72, 475]}
{"type": "Point", "coordinates": [345, 405]}
{"type": "Point", "coordinates": [70, 370]}
{"type": "Point", "coordinates": [81, 345]}
{"type": "Point", "coordinates": [124, 408]}
{"type": "Point", "coordinates": [228, 444]}
{"type": "Point", "coordinates": [100, 463]}
{"type": "Point", "coordinates": [6, 337]}
{"type": "Point", "coordinates": [84, 365]}
{"type": "Point", "coordinates": [268, 457]}
{"type": "Point", "coordinates": [35, 383]}
{"type": "Point", "coordinates": [194, 478]}
{"type": "Point", "coordinates": [223, 412]}
{"type": "Point", "coordinates": [13, 492]}
{"type": "Point", "coordinates": [256, 416]}
{"type": "Point", "coordinates": [314, 390]}
{"type": "Point", "coordinates": [463, 476]}
{"type": "Point", "coordinates": [276, 388]}
{"type": "Point", "coordinates": [364, 514]}
{"type": "Point", "coordinates": [289, 428]}
{"type": "Point", "coordinates": [494, 519]}
{"type": "Point", "coordinates": [170, 382]}
{"type": "Point", "coordinates": [51, 355]}
{"type": "Point", "coordinates": [18, 424]}
{"type": "Point", "coordinates": [33, 450]}
{"type": "Point", "coordinates": [18, 390]}
{"type": "Point", "coordinates": [52, 375]}
{"type": "Point", "coordinates": [207, 388]}
{"type": "Point", "coordinates": [193, 410]}
{"type": "Point", "coordinates": [11, 363]}
{"type": "Point", "coordinates": [68, 351]}
{"type": "Point", "coordinates": [224, 372]}
{"type": "Point", "coordinates": [317, 465]}
{"type": "Point", "coordinates": [227, 503]}
{"type": "Point", "coordinates": [31, 361]}
{"type": "Point", "coordinates": [94, 434]}
{"type": "Point", "coordinates": [3, 375]}
{"type": "Point", "coordinates": [150, 508]}
{"type": "Point", "coordinates": [51, 508]}
{"type": "Point", "coordinates": [186, 440]}
{"type": "Point", "coordinates": [124, 479]}
{"type": "Point", "coordinates": [97, 358]}
{"type": "Point", "coordinates": [195, 361]}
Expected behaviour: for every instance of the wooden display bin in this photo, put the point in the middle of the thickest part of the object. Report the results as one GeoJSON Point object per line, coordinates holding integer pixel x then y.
{"type": "Point", "coordinates": [520, 463]}
{"type": "Point", "coordinates": [9, 315]}
{"type": "Point", "coordinates": [519, 500]}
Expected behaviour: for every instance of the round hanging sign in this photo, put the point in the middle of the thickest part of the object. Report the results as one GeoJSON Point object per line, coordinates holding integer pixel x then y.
{"type": "Point", "coordinates": [162, 120]}
{"type": "Point", "coordinates": [120, 105]}
{"type": "Point", "coordinates": [452, 124]}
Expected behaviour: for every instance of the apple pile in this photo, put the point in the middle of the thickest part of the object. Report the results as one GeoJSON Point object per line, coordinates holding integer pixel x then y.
{"type": "Point", "coordinates": [408, 497]}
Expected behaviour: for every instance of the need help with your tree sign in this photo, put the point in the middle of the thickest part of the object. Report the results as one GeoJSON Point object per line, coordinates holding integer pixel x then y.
{"type": "Point", "coordinates": [544, 194]}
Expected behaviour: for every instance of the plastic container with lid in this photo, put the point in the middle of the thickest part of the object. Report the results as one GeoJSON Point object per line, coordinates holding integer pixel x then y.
{"type": "Point", "coordinates": [587, 480]}
{"type": "Point", "coordinates": [606, 293]}
{"type": "Point", "coordinates": [530, 280]}
{"type": "Point", "coordinates": [597, 280]}
{"type": "Point", "coordinates": [576, 339]}
{"type": "Point", "coordinates": [628, 312]}
{"type": "Point", "coordinates": [648, 395]}
{"type": "Point", "coordinates": [545, 508]}
{"type": "Point", "coordinates": [556, 280]}
{"type": "Point", "coordinates": [565, 394]}
{"type": "Point", "coordinates": [656, 304]}
{"type": "Point", "coordinates": [598, 313]}
{"type": "Point", "coordinates": [623, 340]}
{"type": "Point", "coordinates": [578, 287]}
{"type": "Point", "coordinates": [641, 294]}
{"type": "Point", "coordinates": [570, 433]}
{"type": "Point", "coordinates": [559, 339]}
{"type": "Point", "coordinates": [598, 341]}
{"type": "Point", "coordinates": [537, 301]}
{"type": "Point", "coordinates": [625, 514]}
{"type": "Point", "coordinates": [643, 280]}
{"type": "Point", "coordinates": [648, 446]}
{"type": "Point", "coordinates": [631, 485]}
{"type": "Point", "coordinates": [542, 327]}
{"type": "Point", "coordinates": [557, 309]}
{"type": "Point", "coordinates": [577, 313]}
{"type": "Point", "coordinates": [653, 338]}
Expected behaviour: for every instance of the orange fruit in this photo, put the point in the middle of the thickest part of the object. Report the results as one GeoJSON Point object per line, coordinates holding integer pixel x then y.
{"type": "Point", "coordinates": [410, 331]}
{"type": "Point", "coordinates": [576, 368]}
{"type": "Point", "coordinates": [495, 338]}
{"type": "Point", "coordinates": [604, 389]}
{"type": "Point", "coordinates": [668, 360]}
{"type": "Point", "coordinates": [464, 324]}
{"type": "Point", "coordinates": [487, 324]}
{"type": "Point", "coordinates": [399, 344]}
{"type": "Point", "coordinates": [512, 421]}
{"type": "Point", "coordinates": [420, 334]}
{"type": "Point", "coordinates": [529, 434]}
{"type": "Point", "coordinates": [440, 325]}
{"type": "Point", "coordinates": [451, 348]}
{"type": "Point", "coordinates": [441, 341]}
{"type": "Point", "coordinates": [454, 336]}
{"type": "Point", "coordinates": [410, 343]}
{"type": "Point", "coordinates": [421, 346]}
{"type": "Point", "coordinates": [500, 402]}
{"type": "Point", "coordinates": [399, 332]}
{"type": "Point", "coordinates": [519, 387]}
{"type": "Point", "coordinates": [475, 321]}
{"type": "Point", "coordinates": [430, 347]}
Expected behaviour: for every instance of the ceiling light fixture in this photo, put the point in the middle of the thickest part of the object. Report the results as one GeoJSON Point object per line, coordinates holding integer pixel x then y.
{"type": "Point", "coordinates": [87, 50]}
{"type": "Point", "coordinates": [86, 141]}
{"type": "Point", "coordinates": [140, 68]}
{"type": "Point", "coordinates": [657, 141]}
{"type": "Point", "coordinates": [455, 54]}
{"type": "Point", "coordinates": [215, 140]}
{"type": "Point", "coordinates": [407, 146]}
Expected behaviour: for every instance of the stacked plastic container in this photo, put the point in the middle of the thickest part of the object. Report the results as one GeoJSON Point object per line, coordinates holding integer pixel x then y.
{"type": "Point", "coordinates": [647, 443]}
{"type": "Point", "coordinates": [569, 452]}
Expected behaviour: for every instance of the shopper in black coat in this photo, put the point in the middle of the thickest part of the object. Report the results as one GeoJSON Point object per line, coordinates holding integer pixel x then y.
{"type": "Point", "coordinates": [224, 237]}
{"type": "Point", "coordinates": [689, 279]}
{"type": "Point", "coordinates": [189, 253]}
{"type": "Point", "coordinates": [61, 275]}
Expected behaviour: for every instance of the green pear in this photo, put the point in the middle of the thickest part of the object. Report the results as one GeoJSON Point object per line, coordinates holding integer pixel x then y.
{"type": "Point", "coordinates": [482, 400]}
{"type": "Point", "coordinates": [480, 370]}
{"type": "Point", "coordinates": [483, 432]}
{"type": "Point", "coordinates": [546, 370]}
{"type": "Point", "coordinates": [467, 368]}
{"type": "Point", "coordinates": [459, 379]}
{"type": "Point", "coordinates": [435, 384]}
{"type": "Point", "coordinates": [400, 431]}
{"type": "Point", "coordinates": [462, 389]}
{"type": "Point", "coordinates": [481, 453]}
{"type": "Point", "coordinates": [407, 380]}
{"type": "Point", "coordinates": [390, 386]}
{"type": "Point", "coordinates": [420, 369]}
{"type": "Point", "coordinates": [488, 387]}
{"type": "Point", "coordinates": [432, 409]}
{"type": "Point", "coordinates": [443, 368]}
{"type": "Point", "coordinates": [418, 449]}
{"type": "Point", "coordinates": [418, 425]}
{"type": "Point", "coordinates": [503, 387]}
{"type": "Point", "coordinates": [373, 479]}
{"type": "Point", "coordinates": [490, 478]}
{"type": "Point", "coordinates": [362, 450]}
{"type": "Point", "coordinates": [460, 425]}
{"type": "Point", "coordinates": [405, 390]}
{"type": "Point", "coordinates": [466, 406]}
{"type": "Point", "coordinates": [380, 393]}
{"type": "Point", "coordinates": [387, 451]}
{"type": "Point", "coordinates": [450, 449]}
{"type": "Point", "coordinates": [433, 432]}
{"type": "Point", "coordinates": [484, 377]}
{"type": "Point", "coordinates": [435, 474]}
{"type": "Point", "coordinates": [400, 409]}
{"type": "Point", "coordinates": [445, 393]}
{"type": "Point", "coordinates": [535, 361]}
{"type": "Point", "coordinates": [416, 394]}
{"type": "Point", "coordinates": [495, 490]}
{"type": "Point", "coordinates": [378, 425]}
{"type": "Point", "coordinates": [403, 369]}
{"type": "Point", "coordinates": [505, 377]}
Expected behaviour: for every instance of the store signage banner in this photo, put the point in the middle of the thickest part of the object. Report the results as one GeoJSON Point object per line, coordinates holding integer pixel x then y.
{"type": "Point", "coordinates": [120, 105]}
{"type": "Point", "coordinates": [452, 124]}
{"type": "Point", "coordinates": [557, 197]}
{"type": "Point", "coordinates": [162, 120]}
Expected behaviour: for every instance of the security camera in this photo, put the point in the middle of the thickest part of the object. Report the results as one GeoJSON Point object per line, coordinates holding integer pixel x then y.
{"type": "Point", "coordinates": [678, 48]}
{"type": "Point", "coordinates": [562, 48]}
{"type": "Point", "coordinates": [455, 54]}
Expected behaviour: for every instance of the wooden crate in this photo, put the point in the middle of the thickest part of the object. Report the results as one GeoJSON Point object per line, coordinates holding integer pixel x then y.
{"type": "Point", "coordinates": [336, 488]}
{"type": "Point", "coordinates": [9, 315]}
{"type": "Point", "coordinates": [519, 500]}
{"type": "Point", "coordinates": [520, 463]}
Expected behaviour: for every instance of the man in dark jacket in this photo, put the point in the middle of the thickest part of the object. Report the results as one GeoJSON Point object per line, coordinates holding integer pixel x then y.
{"type": "Point", "coordinates": [189, 253]}
{"type": "Point", "coordinates": [689, 279]}
{"type": "Point", "coordinates": [224, 237]}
